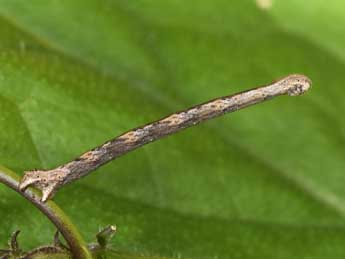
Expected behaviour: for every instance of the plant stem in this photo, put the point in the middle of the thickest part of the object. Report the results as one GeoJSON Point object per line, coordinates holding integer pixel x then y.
{"type": "Point", "coordinates": [74, 240]}
{"type": "Point", "coordinates": [49, 181]}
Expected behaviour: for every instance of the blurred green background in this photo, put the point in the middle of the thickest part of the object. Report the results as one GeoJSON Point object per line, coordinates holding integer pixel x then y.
{"type": "Point", "coordinates": [265, 182]}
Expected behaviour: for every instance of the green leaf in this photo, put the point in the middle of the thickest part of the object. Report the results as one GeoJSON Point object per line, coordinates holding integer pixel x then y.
{"type": "Point", "coordinates": [266, 182]}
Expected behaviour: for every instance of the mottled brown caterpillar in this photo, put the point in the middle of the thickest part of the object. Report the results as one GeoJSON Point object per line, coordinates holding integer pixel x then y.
{"type": "Point", "coordinates": [49, 181]}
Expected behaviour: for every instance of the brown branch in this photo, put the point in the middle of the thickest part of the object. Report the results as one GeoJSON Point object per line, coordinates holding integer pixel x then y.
{"type": "Point", "coordinates": [49, 181]}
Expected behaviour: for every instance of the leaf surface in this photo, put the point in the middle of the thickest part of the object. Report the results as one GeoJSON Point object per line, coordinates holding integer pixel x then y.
{"type": "Point", "coordinates": [266, 182]}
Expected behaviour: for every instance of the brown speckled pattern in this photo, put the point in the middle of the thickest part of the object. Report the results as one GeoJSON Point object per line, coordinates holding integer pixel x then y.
{"type": "Point", "coordinates": [51, 180]}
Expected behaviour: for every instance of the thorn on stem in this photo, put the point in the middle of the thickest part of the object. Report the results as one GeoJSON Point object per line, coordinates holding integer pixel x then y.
{"type": "Point", "coordinates": [14, 250]}
{"type": "Point", "coordinates": [58, 243]}
{"type": "Point", "coordinates": [14, 242]}
{"type": "Point", "coordinates": [105, 235]}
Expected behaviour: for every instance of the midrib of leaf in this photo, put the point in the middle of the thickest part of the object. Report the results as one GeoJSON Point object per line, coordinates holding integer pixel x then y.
{"type": "Point", "coordinates": [33, 144]}
{"type": "Point", "coordinates": [182, 227]}
{"type": "Point", "coordinates": [133, 80]}
{"type": "Point", "coordinates": [303, 184]}
{"type": "Point", "coordinates": [32, 139]}
{"type": "Point", "coordinates": [315, 192]}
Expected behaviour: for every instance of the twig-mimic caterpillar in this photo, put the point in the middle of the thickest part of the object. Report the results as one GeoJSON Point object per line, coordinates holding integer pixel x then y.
{"type": "Point", "coordinates": [49, 181]}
